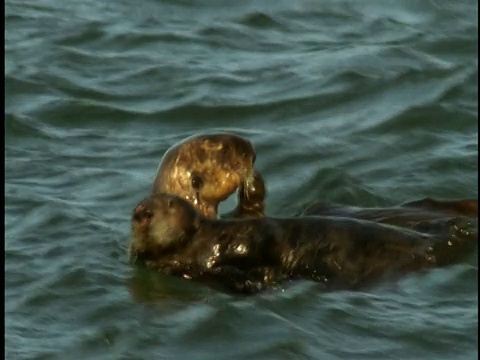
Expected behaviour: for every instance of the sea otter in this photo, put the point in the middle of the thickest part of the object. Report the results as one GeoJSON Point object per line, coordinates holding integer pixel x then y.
{"type": "Point", "coordinates": [249, 255]}
{"type": "Point", "coordinates": [206, 169]}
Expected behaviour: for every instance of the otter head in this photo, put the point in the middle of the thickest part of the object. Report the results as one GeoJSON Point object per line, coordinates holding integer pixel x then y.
{"type": "Point", "coordinates": [206, 169]}
{"type": "Point", "coordinates": [162, 223]}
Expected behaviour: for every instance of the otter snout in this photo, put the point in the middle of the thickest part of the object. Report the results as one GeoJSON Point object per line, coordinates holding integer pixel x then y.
{"type": "Point", "coordinates": [142, 214]}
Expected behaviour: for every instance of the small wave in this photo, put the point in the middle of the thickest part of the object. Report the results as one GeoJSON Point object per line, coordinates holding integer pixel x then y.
{"type": "Point", "coordinates": [261, 20]}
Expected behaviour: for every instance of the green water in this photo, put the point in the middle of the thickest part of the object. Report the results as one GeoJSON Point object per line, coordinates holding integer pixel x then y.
{"type": "Point", "coordinates": [360, 102]}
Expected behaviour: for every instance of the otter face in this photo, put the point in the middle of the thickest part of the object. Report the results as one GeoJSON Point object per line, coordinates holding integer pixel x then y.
{"type": "Point", "coordinates": [162, 221]}
{"type": "Point", "coordinates": [205, 170]}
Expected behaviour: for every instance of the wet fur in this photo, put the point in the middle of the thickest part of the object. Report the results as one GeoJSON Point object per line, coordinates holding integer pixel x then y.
{"type": "Point", "coordinates": [249, 255]}
{"type": "Point", "coordinates": [220, 161]}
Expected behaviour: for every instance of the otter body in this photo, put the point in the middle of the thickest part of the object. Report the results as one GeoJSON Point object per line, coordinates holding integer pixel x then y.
{"type": "Point", "coordinates": [249, 255]}
{"type": "Point", "coordinates": [336, 244]}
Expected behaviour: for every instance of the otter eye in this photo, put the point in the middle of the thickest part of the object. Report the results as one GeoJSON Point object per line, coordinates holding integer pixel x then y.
{"type": "Point", "coordinates": [197, 182]}
{"type": "Point", "coordinates": [170, 203]}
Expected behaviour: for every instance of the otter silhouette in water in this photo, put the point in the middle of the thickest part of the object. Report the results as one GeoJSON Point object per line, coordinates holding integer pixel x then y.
{"type": "Point", "coordinates": [406, 214]}
{"type": "Point", "coordinates": [249, 255]}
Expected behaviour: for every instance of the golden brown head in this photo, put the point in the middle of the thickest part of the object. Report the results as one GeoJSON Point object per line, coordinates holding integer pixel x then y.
{"type": "Point", "coordinates": [206, 169]}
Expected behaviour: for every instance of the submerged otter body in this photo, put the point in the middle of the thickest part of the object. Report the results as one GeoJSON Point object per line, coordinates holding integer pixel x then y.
{"type": "Point", "coordinates": [404, 214]}
{"type": "Point", "coordinates": [249, 255]}
{"type": "Point", "coordinates": [426, 215]}
{"type": "Point", "coordinates": [417, 215]}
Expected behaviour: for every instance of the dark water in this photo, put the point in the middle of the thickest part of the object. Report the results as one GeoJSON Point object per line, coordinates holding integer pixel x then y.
{"type": "Point", "coordinates": [361, 102]}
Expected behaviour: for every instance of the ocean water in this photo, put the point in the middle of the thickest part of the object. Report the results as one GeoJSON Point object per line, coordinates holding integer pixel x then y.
{"type": "Point", "coordinates": [359, 102]}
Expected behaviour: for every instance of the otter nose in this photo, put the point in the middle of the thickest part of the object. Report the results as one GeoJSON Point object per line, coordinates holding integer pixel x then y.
{"type": "Point", "coordinates": [141, 213]}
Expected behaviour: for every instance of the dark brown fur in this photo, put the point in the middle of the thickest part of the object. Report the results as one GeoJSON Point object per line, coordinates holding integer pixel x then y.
{"type": "Point", "coordinates": [249, 255]}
